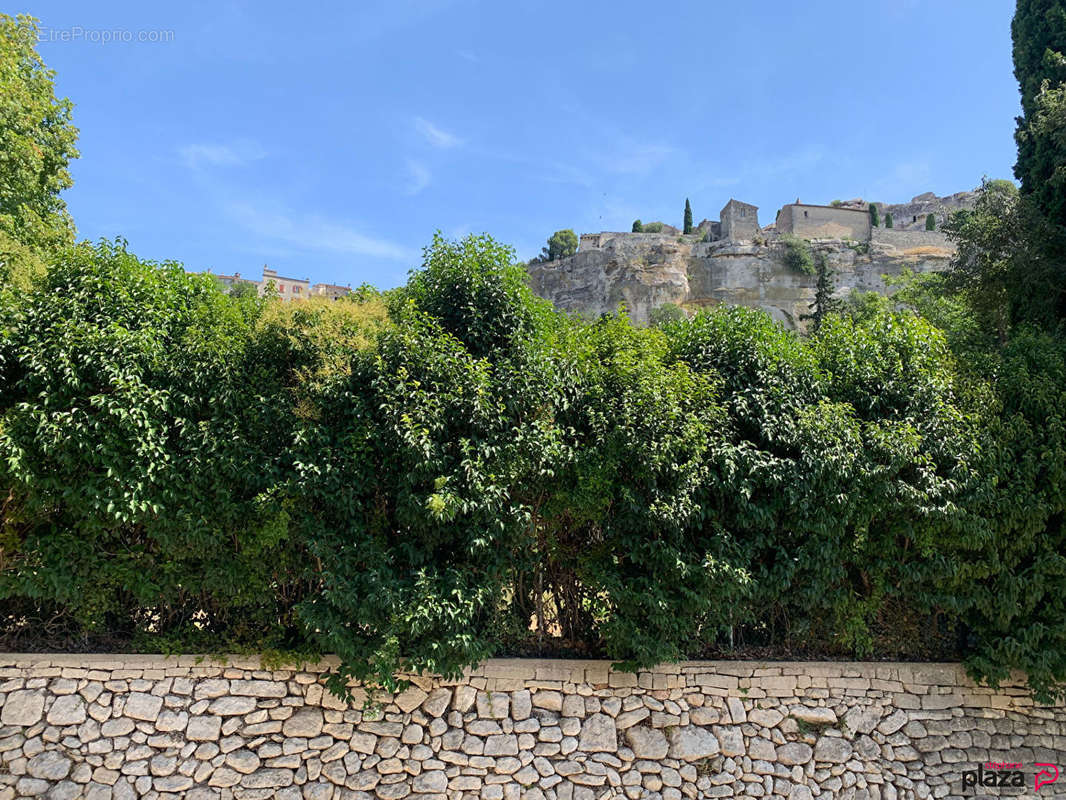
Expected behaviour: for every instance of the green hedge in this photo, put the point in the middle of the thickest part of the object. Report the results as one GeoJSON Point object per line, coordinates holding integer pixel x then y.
{"type": "Point", "coordinates": [455, 470]}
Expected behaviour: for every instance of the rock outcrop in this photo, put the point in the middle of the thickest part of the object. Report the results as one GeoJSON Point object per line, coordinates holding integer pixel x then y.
{"type": "Point", "coordinates": [644, 271]}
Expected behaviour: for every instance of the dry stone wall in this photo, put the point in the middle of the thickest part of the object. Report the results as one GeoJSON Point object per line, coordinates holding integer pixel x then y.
{"type": "Point", "coordinates": [122, 727]}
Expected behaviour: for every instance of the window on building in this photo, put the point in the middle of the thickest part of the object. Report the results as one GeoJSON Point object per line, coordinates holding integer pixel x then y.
{"type": "Point", "coordinates": [295, 289]}
{"type": "Point", "coordinates": [281, 288]}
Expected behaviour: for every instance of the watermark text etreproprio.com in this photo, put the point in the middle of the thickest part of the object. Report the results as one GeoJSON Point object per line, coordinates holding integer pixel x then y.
{"type": "Point", "coordinates": [77, 33]}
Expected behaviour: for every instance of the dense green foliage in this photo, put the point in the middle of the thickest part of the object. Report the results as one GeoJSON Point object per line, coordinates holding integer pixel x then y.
{"type": "Point", "coordinates": [667, 312]}
{"type": "Point", "coordinates": [653, 227]}
{"type": "Point", "coordinates": [797, 254]}
{"type": "Point", "coordinates": [421, 479]}
{"type": "Point", "coordinates": [560, 245]}
{"type": "Point", "coordinates": [875, 216]}
{"type": "Point", "coordinates": [687, 229]}
{"type": "Point", "coordinates": [930, 222]}
{"type": "Point", "coordinates": [638, 226]}
{"type": "Point", "coordinates": [473, 473]}
{"type": "Point", "coordinates": [1039, 34]}
{"type": "Point", "coordinates": [141, 456]}
{"type": "Point", "coordinates": [888, 220]}
{"type": "Point", "coordinates": [37, 141]}
{"type": "Point", "coordinates": [824, 302]}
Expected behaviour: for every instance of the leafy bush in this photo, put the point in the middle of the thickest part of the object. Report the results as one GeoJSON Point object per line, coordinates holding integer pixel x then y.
{"type": "Point", "coordinates": [930, 222]}
{"type": "Point", "coordinates": [653, 227]}
{"type": "Point", "coordinates": [638, 226]}
{"type": "Point", "coordinates": [420, 480]}
{"type": "Point", "coordinates": [797, 254]}
{"type": "Point", "coordinates": [140, 455]}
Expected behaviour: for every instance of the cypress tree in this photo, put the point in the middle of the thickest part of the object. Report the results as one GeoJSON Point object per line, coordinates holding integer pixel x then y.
{"type": "Point", "coordinates": [930, 223]}
{"type": "Point", "coordinates": [688, 217]}
{"type": "Point", "coordinates": [888, 220]}
{"type": "Point", "coordinates": [875, 217]}
{"type": "Point", "coordinates": [824, 302]}
{"type": "Point", "coordinates": [638, 226]}
{"type": "Point", "coordinates": [1039, 36]}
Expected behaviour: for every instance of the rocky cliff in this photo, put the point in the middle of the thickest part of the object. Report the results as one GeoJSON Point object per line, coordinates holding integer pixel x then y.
{"type": "Point", "coordinates": [645, 271]}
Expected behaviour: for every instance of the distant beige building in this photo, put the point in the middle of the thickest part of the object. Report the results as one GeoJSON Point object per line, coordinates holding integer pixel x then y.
{"type": "Point", "coordinates": [330, 290]}
{"type": "Point", "coordinates": [229, 281]}
{"type": "Point", "coordinates": [824, 222]}
{"type": "Point", "coordinates": [287, 288]}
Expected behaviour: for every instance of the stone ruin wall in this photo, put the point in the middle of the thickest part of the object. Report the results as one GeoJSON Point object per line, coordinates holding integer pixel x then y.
{"type": "Point", "coordinates": [824, 222]}
{"type": "Point", "coordinates": [907, 239]}
{"type": "Point", "coordinates": [122, 727]}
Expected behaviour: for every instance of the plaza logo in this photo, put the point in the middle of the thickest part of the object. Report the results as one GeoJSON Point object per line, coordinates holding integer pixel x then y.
{"type": "Point", "coordinates": [1008, 774]}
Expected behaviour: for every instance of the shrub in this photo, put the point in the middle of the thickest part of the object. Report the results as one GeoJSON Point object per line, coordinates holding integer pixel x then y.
{"type": "Point", "coordinates": [143, 431]}
{"type": "Point", "coordinates": [653, 227]}
{"type": "Point", "coordinates": [667, 312]}
{"type": "Point", "coordinates": [888, 220]}
{"type": "Point", "coordinates": [797, 254]}
{"type": "Point", "coordinates": [930, 223]}
{"type": "Point", "coordinates": [469, 473]}
{"type": "Point", "coordinates": [638, 226]}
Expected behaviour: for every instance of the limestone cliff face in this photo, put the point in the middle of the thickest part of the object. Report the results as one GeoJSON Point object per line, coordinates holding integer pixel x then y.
{"type": "Point", "coordinates": [644, 271]}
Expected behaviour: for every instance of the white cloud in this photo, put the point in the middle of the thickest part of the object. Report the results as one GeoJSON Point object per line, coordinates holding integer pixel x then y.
{"type": "Point", "coordinates": [235, 154]}
{"type": "Point", "coordinates": [313, 233]}
{"type": "Point", "coordinates": [436, 136]}
{"type": "Point", "coordinates": [419, 177]}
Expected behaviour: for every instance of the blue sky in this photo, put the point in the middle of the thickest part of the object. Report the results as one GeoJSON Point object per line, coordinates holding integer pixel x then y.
{"type": "Point", "coordinates": [330, 140]}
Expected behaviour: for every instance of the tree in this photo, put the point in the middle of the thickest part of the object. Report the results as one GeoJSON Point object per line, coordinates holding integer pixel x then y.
{"type": "Point", "coordinates": [1039, 37]}
{"type": "Point", "coordinates": [125, 470]}
{"type": "Point", "coordinates": [1038, 31]}
{"type": "Point", "coordinates": [474, 290]}
{"type": "Point", "coordinates": [37, 140]}
{"type": "Point", "coordinates": [875, 217]}
{"type": "Point", "coordinates": [824, 301]}
{"type": "Point", "coordinates": [930, 223]}
{"type": "Point", "coordinates": [560, 245]}
{"type": "Point", "coordinates": [638, 226]}
{"type": "Point", "coordinates": [244, 289]}
{"type": "Point", "coordinates": [1004, 264]}
{"type": "Point", "coordinates": [688, 218]}
{"type": "Point", "coordinates": [888, 220]}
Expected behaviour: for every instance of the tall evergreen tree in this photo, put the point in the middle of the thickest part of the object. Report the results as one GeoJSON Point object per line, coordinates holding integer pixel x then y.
{"type": "Point", "coordinates": [824, 301]}
{"type": "Point", "coordinates": [688, 217]}
{"type": "Point", "coordinates": [1039, 35]}
{"type": "Point", "coordinates": [888, 220]}
{"type": "Point", "coordinates": [638, 226]}
{"type": "Point", "coordinates": [930, 223]}
{"type": "Point", "coordinates": [875, 216]}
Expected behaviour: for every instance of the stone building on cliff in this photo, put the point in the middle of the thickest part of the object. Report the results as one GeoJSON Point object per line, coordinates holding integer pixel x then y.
{"type": "Point", "coordinates": [736, 261]}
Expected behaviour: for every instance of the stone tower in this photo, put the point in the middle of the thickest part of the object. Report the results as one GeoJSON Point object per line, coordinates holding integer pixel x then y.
{"type": "Point", "coordinates": [740, 221]}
